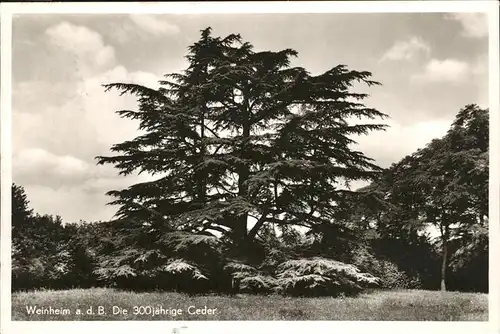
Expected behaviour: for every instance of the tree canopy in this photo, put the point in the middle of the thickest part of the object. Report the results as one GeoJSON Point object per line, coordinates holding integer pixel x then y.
{"type": "Point", "coordinates": [444, 184]}
{"type": "Point", "coordinates": [239, 134]}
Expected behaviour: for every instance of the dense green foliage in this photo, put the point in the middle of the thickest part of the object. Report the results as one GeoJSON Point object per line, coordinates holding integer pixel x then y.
{"type": "Point", "coordinates": [444, 185]}
{"type": "Point", "coordinates": [248, 156]}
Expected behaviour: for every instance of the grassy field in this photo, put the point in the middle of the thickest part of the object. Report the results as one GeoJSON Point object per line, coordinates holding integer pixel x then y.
{"type": "Point", "coordinates": [107, 304]}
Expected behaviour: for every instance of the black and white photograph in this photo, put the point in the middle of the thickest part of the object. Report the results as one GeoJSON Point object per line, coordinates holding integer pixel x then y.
{"type": "Point", "coordinates": [251, 166]}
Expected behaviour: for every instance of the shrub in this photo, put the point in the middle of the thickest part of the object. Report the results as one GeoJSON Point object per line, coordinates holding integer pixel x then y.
{"type": "Point", "coordinates": [184, 277]}
{"type": "Point", "coordinates": [320, 276]}
{"type": "Point", "coordinates": [258, 284]}
{"type": "Point", "coordinates": [391, 277]}
{"type": "Point", "coordinates": [176, 260]}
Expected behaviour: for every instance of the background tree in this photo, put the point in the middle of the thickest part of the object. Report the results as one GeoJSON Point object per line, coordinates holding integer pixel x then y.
{"type": "Point", "coordinates": [469, 262]}
{"type": "Point", "coordinates": [21, 220]}
{"type": "Point", "coordinates": [469, 137]}
{"type": "Point", "coordinates": [40, 257]}
{"type": "Point", "coordinates": [444, 185]}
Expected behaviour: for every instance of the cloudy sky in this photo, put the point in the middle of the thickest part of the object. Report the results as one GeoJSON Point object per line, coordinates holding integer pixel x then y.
{"type": "Point", "coordinates": [430, 65]}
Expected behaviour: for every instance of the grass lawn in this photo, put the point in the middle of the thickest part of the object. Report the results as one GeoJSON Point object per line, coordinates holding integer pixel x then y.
{"type": "Point", "coordinates": [415, 305]}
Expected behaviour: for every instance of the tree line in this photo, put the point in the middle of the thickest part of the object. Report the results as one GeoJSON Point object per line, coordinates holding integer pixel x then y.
{"type": "Point", "coordinates": [252, 160]}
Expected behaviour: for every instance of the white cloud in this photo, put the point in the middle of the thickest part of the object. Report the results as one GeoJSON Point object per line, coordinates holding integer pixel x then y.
{"type": "Point", "coordinates": [75, 185]}
{"type": "Point", "coordinates": [39, 163]}
{"type": "Point", "coordinates": [121, 74]}
{"type": "Point", "coordinates": [82, 45]}
{"type": "Point", "coordinates": [398, 140]}
{"type": "Point", "coordinates": [27, 94]}
{"type": "Point", "coordinates": [474, 25]}
{"type": "Point", "coordinates": [60, 125]}
{"type": "Point", "coordinates": [86, 200]}
{"type": "Point", "coordinates": [447, 70]}
{"type": "Point", "coordinates": [154, 25]}
{"type": "Point", "coordinates": [481, 78]}
{"type": "Point", "coordinates": [100, 106]}
{"type": "Point", "coordinates": [76, 121]}
{"type": "Point", "coordinates": [406, 50]}
{"type": "Point", "coordinates": [72, 204]}
{"type": "Point", "coordinates": [55, 140]}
